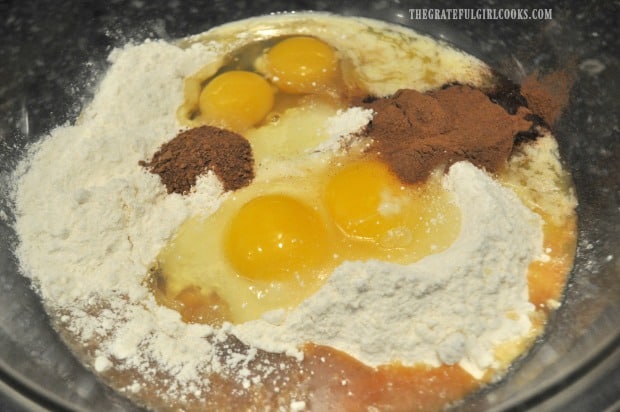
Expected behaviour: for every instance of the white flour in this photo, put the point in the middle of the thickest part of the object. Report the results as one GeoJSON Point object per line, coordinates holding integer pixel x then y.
{"type": "Point", "coordinates": [91, 221]}
{"type": "Point", "coordinates": [342, 127]}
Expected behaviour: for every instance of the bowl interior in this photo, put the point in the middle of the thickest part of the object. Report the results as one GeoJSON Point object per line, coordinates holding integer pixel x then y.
{"type": "Point", "coordinates": [54, 54]}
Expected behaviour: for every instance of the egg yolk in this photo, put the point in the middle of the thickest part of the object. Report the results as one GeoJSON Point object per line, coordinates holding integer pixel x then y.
{"type": "Point", "coordinates": [302, 65]}
{"type": "Point", "coordinates": [368, 202]}
{"type": "Point", "coordinates": [236, 99]}
{"type": "Point", "coordinates": [276, 237]}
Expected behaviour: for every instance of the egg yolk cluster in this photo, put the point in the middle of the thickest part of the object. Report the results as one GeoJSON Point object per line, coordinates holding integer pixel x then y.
{"type": "Point", "coordinates": [363, 211]}
{"type": "Point", "coordinates": [273, 244]}
{"type": "Point", "coordinates": [240, 99]}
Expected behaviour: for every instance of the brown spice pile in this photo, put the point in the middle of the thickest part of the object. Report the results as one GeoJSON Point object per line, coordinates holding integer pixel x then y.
{"type": "Point", "coordinates": [547, 96]}
{"type": "Point", "coordinates": [193, 152]}
{"type": "Point", "coordinates": [414, 132]}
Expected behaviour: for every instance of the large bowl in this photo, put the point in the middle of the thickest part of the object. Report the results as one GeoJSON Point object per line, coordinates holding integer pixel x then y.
{"type": "Point", "coordinates": [53, 53]}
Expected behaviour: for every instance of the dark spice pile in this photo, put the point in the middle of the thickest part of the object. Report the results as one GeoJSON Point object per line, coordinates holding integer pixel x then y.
{"type": "Point", "coordinates": [193, 152]}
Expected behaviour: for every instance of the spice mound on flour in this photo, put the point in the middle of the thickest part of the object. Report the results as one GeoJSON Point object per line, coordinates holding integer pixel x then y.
{"type": "Point", "coordinates": [417, 132]}
{"type": "Point", "coordinates": [193, 152]}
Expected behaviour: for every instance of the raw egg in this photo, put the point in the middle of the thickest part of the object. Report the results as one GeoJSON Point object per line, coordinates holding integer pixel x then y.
{"type": "Point", "coordinates": [266, 247]}
{"type": "Point", "coordinates": [236, 100]}
{"type": "Point", "coordinates": [275, 237]}
{"type": "Point", "coordinates": [302, 65]}
{"type": "Point", "coordinates": [369, 204]}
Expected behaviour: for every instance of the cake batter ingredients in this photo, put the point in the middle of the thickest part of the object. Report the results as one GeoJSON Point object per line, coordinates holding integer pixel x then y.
{"type": "Point", "coordinates": [92, 222]}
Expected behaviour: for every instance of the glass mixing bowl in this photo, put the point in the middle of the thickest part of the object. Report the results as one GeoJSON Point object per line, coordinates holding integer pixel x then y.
{"type": "Point", "coordinates": [53, 53]}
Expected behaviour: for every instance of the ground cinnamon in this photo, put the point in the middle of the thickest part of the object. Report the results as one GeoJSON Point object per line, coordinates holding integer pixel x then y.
{"type": "Point", "coordinates": [547, 96]}
{"type": "Point", "coordinates": [414, 132]}
{"type": "Point", "coordinates": [193, 152]}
